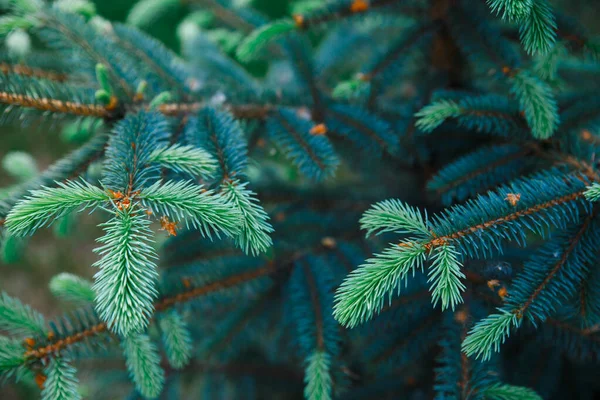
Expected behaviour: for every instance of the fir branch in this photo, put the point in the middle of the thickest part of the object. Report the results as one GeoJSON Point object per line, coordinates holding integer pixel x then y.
{"type": "Point", "coordinates": [263, 36]}
{"type": "Point", "coordinates": [201, 208]}
{"type": "Point", "coordinates": [254, 237]}
{"type": "Point", "coordinates": [489, 333]}
{"type": "Point", "coordinates": [61, 382]}
{"type": "Point", "coordinates": [503, 391]}
{"type": "Point", "coordinates": [72, 288]}
{"type": "Point", "coordinates": [186, 159]}
{"type": "Point", "coordinates": [125, 284]}
{"type": "Point", "coordinates": [317, 377]}
{"type": "Point", "coordinates": [143, 364]}
{"type": "Point", "coordinates": [538, 29]}
{"type": "Point", "coordinates": [312, 154]}
{"type": "Point", "coordinates": [362, 294]}
{"type": "Point", "coordinates": [445, 277]}
{"type": "Point", "coordinates": [12, 357]}
{"type": "Point", "coordinates": [44, 206]}
{"type": "Point", "coordinates": [537, 102]}
{"type": "Point", "coordinates": [18, 318]}
{"type": "Point", "coordinates": [176, 338]}
{"type": "Point", "coordinates": [394, 216]}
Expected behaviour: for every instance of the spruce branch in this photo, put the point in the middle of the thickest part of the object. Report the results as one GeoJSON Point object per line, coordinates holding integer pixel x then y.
{"type": "Point", "coordinates": [445, 277]}
{"type": "Point", "coordinates": [538, 29]}
{"type": "Point", "coordinates": [19, 318]}
{"type": "Point", "coordinates": [537, 102]}
{"type": "Point", "coordinates": [317, 377]}
{"type": "Point", "coordinates": [394, 216]}
{"type": "Point", "coordinates": [54, 105]}
{"type": "Point", "coordinates": [537, 24]}
{"type": "Point", "coordinates": [511, 10]}
{"type": "Point", "coordinates": [221, 135]}
{"type": "Point", "coordinates": [72, 288]}
{"type": "Point", "coordinates": [549, 277]}
{"type": "Point", "coordinates": [474, 229]}
{"type": "Point", "coordinates": [62, 170]}
{"type": "Point", "coordinates": [61, 382]}
{"type": "Point", "coordinates": [143, 364]}
{"type": "Point", "coordinates": [12, 357]}
{"type": "Point", "coordinates": [186, 201]}
{"type": "Point", "coordinates": [433, 115]}
{"type": "Point", "coordinates": [362, 294]}
{"type": "Point", "coordinates": [488, 334]}
{"type": "Point", "coordinates": [255, 228]}
{"type": "Point", "coordinates": [489, 114]}
{"type": "Point", "coordinates": [176, 338]}
{"type": "Point", "coordinates": [43, 206]}
{"type": "Point", "coordinates": [125, 284]}
{"type": "Point", "coordinates": [187, 159]}
{"type": "Point", "coordinates": [32, 72]}
{"type": "Point", "coordinates": [262, 37]}
{"type": "Point", "coordinates": [592, 192]}
{"type": "Point", "coordinates": [503, 391]}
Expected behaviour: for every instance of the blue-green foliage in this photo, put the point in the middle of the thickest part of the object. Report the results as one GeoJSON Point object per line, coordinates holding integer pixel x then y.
{"type": "Point", "coordinates": [480, 170]}
{"type": "Point", "coordinates": [127, 167]}
{"type": "Point", "coordinates": [217, 132]}
{"type": "Point", "coordinates": [484, 223]}
{"type": "Point", "coordinates": [155, 63]}
{"type": "Point", "coordinates": [474, 161]}
{"type": "Point", "coordinates": [311, 301]}
{"type": "Point", "coordinates": [555, 272]}
{"type": "Point", "coordinates": [84, 47]}
{"type": "Point", "coordinates": [312, 154]}
{"type": "Point", "coordinates": [364, 129]}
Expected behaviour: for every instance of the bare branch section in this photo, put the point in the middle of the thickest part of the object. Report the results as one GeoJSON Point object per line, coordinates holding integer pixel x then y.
{"type": "Point", "coordinates": [24, 70]}
{"type": "Point", "coordinates": [55, 106]}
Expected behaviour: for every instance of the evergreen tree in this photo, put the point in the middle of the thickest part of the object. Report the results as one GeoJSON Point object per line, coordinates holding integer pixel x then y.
{"type": "Point", "coordinates": [278, 154]}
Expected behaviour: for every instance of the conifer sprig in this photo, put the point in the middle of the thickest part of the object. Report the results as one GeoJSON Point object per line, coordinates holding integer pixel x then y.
{"type": "Point", "coordinates": [394, 216]}
{"type": "Point", "coordinates": [472, 230]}
{"type": "Point", "coordinates": [537, 25]}
{"type": "Point", "coordinates": [191, 203]}
{"type": "Point", "coordinates": [176, 338]}
{"type": "Point", "coordinates": [125, 284]}
{"type": "Point", "coordinates": [143, 364]}
{"type": "Point", "coordinates": [44, 206]}
{"type": "Point", "coordinates": [61, 382]}
{"type": "Point", "coordinates": [255, 228]}
{"type": "Point", "coordinates": [192, 160]}
{"type": "Point", "coordinates": [19, 318]}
